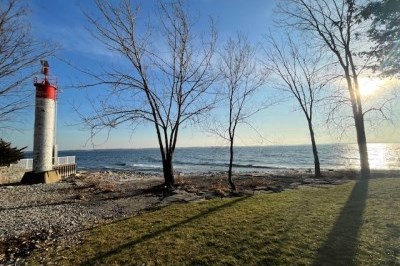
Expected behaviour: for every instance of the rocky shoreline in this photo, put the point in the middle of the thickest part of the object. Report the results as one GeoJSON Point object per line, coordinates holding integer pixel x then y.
{"type": "Point", "coordinates": [37, 216]}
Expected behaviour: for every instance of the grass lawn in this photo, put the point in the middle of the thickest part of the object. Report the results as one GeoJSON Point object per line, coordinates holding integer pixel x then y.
{"type": "Point", "coordinates": [357, 223]}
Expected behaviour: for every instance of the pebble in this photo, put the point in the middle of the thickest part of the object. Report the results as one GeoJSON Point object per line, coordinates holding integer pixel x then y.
{"type": "Point", "coordinates": [51, 211]}
{"type": "Point", "coordinates": [67, 206]}
{"type": "Point", "coordinates": [30, 215]}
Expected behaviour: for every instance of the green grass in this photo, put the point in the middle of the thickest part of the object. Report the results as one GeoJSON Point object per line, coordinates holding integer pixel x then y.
{"type": "Point", "coordinates": [357, 223]}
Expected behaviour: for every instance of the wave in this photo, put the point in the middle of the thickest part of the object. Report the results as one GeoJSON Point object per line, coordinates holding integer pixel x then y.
{"type": "Point", "coordinates": [180, 164]}
{"type": "Point", "coordinates": [140, 165]}
{"type": "Point", "coordinates": [256, 166]}
{"type": "Point", "coordinates": [237, 165]}
{"type": "Point", "coordinates": [248, 159]}
{"type": "Point", "coordinates": [198, 163]}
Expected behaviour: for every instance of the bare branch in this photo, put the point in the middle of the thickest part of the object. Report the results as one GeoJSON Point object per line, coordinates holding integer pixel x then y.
{"type": "Point", "coordinates": [241, 79]}
{"type": "Point", "coordinates": [334, 26]}
{"type": "Point", "coordinates": [301, 73]}
{"type": "Point", "coordinates": [19, 52]}
{"type": "Point", "coordinates": [166, 84]}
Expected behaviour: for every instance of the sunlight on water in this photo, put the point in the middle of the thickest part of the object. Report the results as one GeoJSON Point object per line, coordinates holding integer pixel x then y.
{"type": "Point", "coordinates": [381, 156]}
{"type": "Point", "coordinates": [378, 154]}
{"type": "Point", "coordinates": [332, 156]}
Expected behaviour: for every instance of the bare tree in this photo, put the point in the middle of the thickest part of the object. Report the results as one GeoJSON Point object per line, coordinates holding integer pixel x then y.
{"type": "Point", "coordinates": [378, 108]}
{"type": "Point", "coordinates": [334, 24]}
{"type": "Point", "coordinates": [303, 74]}
{"type": "Point", "coordinates": [164, 77]}
{"type": "Point", "coordinates": [241, 77]}
{"type": "Point", "coordinates": [19, 52]}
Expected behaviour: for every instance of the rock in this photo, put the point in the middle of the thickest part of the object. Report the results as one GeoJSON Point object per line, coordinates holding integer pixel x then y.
{"type": "Point", "coordinates": [276, 189]}
{"type": "Point", "coordinates": [294, 184]}
{"type": "Point", "coordinates": [263, 192]}
{"type": "Point", "coordinates": [247, 192]}
{"type": "Point", "coordinates": [209, 195]}
{"type": "Point", "coordinates": [181, 196]}
{"type": "Point", "coordinates": [261, 188]}
{"type": "Point", "coordinates": [78, 183]}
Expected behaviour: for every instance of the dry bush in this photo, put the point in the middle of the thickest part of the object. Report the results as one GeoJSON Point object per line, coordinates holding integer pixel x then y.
{"type": "Point", "coordinates": [98, 182]}
{"type": "Point", "coordinates": [107, 186]}
{"type": "Point", "coordinates": [179, 180]}
{"type": "Point", "coordinates": [220, 189]}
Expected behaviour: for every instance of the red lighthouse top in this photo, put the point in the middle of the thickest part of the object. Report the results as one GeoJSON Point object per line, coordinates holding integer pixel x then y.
{"type": "Point", "coordinates": [45, 89]}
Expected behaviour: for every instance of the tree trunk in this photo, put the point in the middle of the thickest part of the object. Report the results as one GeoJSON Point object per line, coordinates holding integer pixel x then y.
{"type": "Point", "coordinates": [317, 168]}
{"type": "Point", "coordinates": [362, 146]}
{"type": "Point", "coordinates": [168, 170]}
{"type": "Point", "coordinates": [359, 122]}
{"type": "Point", "coordinates": [230, 180]}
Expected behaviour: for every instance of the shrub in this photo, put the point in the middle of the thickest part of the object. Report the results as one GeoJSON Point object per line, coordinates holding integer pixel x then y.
{"type": "Point", "coordinates": [8, 154]}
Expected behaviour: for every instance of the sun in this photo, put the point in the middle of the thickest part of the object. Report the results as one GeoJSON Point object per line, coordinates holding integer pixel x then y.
{"type": "Point", "coordinates": [369, 86]}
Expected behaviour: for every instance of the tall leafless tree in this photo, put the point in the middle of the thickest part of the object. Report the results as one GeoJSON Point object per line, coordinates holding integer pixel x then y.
{"type": "Point", "coordinates": [333, 23]}
{"type": "Point", "coordinates": [302, 72]}
{"type": "Point", "coordinates": [241, 78]}
{"type": "Point", "coordinates": [19, 53]}
{"type": "Point", "coordinates": [164, 77]}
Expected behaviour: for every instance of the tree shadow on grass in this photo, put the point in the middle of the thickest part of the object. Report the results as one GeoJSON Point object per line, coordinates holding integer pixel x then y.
{"type": "Point", "coordinates": [99, 258]}
{"type": "Point", "coordinates": [341, 245]}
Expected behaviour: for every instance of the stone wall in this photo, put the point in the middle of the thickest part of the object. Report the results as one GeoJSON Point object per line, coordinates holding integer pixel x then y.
{"type": "Point", "coordinates": [11, 174]}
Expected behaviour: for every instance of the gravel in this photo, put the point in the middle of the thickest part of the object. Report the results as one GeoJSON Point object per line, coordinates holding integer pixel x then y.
{"type": "Point", "coordinates": [73, 204]}
{"type": "Point", "coordinates": [38, 216]}
{"type": "Point", "coordinates": [42, 215]}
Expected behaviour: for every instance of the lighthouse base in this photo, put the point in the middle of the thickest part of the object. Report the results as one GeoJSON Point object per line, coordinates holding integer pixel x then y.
{"type": "Point", "coordinates": [48, 177]}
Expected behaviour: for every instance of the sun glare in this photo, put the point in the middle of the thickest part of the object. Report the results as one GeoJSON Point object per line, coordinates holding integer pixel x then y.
{"type": "Point", "coordinates": [369, 86]}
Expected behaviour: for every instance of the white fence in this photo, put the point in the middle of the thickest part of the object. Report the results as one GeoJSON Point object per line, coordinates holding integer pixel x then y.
{"type": "Point", "coordinates": [66, 160]}
{"type": "Point", "coordinates": [27, 163]}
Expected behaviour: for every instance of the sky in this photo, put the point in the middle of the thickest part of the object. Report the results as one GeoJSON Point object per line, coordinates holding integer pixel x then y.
{"type": "Point", "coordinates": [63, 22]}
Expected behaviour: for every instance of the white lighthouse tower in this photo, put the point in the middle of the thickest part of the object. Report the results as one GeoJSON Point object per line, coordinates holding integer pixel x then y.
{"type": "Point", "coordinates": [43, 141]}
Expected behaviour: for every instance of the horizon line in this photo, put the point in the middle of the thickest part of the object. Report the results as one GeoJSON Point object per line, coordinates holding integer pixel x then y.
{"type": "Point", "coordinates": [220, 146]}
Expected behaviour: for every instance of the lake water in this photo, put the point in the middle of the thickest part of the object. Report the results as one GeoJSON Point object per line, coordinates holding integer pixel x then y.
{"type": "Point", "coordinates": [265, 158]}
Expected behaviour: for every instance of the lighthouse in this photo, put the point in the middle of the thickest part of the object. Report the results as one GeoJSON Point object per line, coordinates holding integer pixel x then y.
{"type": "Point", "coordinates": [44, 130]}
